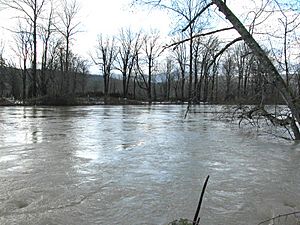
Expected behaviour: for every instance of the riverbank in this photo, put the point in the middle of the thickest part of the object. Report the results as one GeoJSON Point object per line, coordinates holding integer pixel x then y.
{"type": "Point", "coordinates": [7, 102]}
{"type": "Point", "coordinates": [78, 101]}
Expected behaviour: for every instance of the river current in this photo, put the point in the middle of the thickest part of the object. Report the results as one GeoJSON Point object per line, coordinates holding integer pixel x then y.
{"type": "Point", "coordinates": [133, 165]}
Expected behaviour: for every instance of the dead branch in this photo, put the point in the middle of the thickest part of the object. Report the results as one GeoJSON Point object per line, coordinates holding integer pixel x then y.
{"type": "Point", "coordinates": [260, 111]}
{"type": "Point", "coordinates": [279, 216]}
{"type": "Point", "coordinates": [254, 115]}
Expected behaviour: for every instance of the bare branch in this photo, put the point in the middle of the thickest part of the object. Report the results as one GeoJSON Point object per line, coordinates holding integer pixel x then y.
{"type": "Point", "coordinates": [224, 49]}
{"type": "Point", "coordinates": [198, 15]}
{"type": "Point", "coordinates": [176, 44]}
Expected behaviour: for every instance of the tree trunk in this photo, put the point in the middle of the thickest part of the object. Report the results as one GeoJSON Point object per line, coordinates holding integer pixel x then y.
{"type": "Point", "coordinates": [24, 82]}
{"type": "Point", "coordinates": [206, 83]}
{"type": "Point", "coordinates": [106, 85]}
{"type": "Point", "coordinates": [134, 88]}
{"type": "Point", "coordinates": [34, 62]}
{"type": "Point", "coordinates": [272, 73]}
{"type": "Point", "coordinates": [67, 74]}
{"type": "Point", "coordinates": [168, 89]}
{"type": "Point", "coordinates": [190, 68]}
{"type": "Point", "coordinates": [182, 85]}
{"type": "Point", "coordinates": [124, 84]}
{"type": "Point", "coordinates": [149, 89]}
{"type": "Point", "coordinates": [212, 85]}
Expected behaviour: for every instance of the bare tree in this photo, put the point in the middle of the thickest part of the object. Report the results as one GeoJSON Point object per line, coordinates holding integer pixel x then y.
{"type": "Point", "coordinates": [180, 54]}
{"type": "Point", "coordinates": [290, 23]}
{"type": "Point", "coordinates": [79, 68]}
{"type": "Point", "coordinates": [151, 50]}
{"type": "Point", "coordinates": [105, 56]}
{"type": "Point", "coordinates": [55, 66]}
{"type": "Point", "coordinates": [196, 57]}
{"type": "Point", "coordinates": [239, 54]}
{"type": "Point", "coordinates": [30, 11]}
{"type": "Point", "coordinates": [168, 77]}
{"type": "Point", "coordinates": [130, 45]}
{"type": "Point", "coordinates": [187, 11]}
{"type": "Point", "coordinates": [68, 27]}
{"type": "Point", "coordinates": [209, 50]}
{"type": "Point", "coordinates": [23, 49]}
{"type": "Point", "coordinates": [83, 69]}
{"type": "Point", "coordinates": [46, 33]}
{"type": "Point", "coordinates": [214, 95]}
{"type": "Point", "coordinates": [228, 68]}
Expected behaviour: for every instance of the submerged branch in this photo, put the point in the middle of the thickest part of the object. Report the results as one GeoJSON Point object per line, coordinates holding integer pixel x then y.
{"type": "Point", "coordinates": [261, 111]}
{"type": "Point", "coordinates": [279, 216]}
{"type": "Point", "coordinates": [254, 116]}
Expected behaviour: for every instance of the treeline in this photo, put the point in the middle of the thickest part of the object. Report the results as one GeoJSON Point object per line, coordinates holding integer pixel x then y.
{"type": "Point", "coordinates": [43, 62]}
{"type": "Point", "coordinates": [135, 70]}
{"type": "Point", "coordinates": [132, 65]}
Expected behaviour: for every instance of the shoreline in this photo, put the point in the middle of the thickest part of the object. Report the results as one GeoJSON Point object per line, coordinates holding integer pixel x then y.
{"type": "Point", "coordinates": [79, 101]}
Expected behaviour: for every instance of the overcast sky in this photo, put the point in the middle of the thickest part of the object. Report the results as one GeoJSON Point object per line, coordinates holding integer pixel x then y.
{"type": "Point", "coordinates": [109, 16]}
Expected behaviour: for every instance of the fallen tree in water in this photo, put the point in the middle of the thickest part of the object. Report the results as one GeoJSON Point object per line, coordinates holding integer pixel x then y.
{"type": "Point", "coordinates": [269, 72]}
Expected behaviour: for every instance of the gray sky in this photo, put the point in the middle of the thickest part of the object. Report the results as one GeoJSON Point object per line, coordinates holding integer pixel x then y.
{"type": "Point", "coordinates": [109, 16]}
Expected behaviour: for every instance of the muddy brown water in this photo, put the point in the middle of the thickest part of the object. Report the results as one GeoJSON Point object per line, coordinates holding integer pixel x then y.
{"type": "Point", "coordinates": [139, 165]}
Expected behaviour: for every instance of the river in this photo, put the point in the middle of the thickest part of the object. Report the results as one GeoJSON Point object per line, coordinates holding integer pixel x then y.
{"type": "Point", "coordinates": [130, 165]}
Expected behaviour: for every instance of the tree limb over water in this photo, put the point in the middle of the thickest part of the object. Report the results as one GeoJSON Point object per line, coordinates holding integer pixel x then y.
{"type": "Point", "coordinates": [271, 73]}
